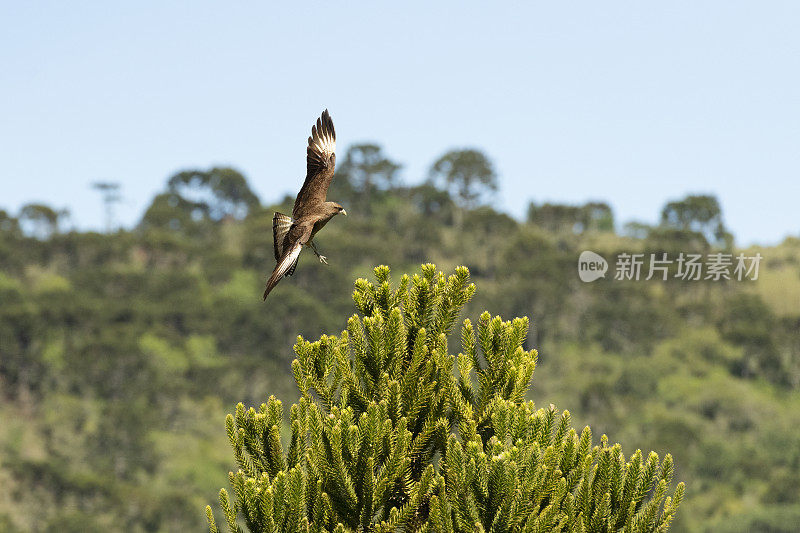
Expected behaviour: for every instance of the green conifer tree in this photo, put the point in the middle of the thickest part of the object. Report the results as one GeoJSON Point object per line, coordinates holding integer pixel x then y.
{"type": "Point", "coordinates": [393, 433]}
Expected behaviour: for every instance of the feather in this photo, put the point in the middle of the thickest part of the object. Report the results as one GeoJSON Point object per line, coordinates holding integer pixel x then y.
{"type": "Point", "coordinates": [287, 262]}
{"type": "Point", "coordinates": [320, 163]}
{"type": "Point", "coordinates": [280, 227]}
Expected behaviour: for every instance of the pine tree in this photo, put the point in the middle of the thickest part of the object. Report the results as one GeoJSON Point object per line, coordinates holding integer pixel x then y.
{"type": "Point", "coordinates": [393, 433]}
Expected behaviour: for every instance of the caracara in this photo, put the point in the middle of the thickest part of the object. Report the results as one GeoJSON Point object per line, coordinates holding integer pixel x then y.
{"type": "Point", "coordinates": [311, 209]}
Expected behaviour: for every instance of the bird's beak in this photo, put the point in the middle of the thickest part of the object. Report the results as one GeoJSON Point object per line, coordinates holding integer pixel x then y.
{"type": "Point", "coordinates": [344, 212]}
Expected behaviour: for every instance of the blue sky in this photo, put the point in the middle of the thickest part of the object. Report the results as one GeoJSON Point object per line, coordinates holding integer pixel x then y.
{"type": "Point", "coordinates": [630, 102]}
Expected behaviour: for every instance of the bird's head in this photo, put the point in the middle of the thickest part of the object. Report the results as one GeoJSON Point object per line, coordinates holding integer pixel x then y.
{"type": "Point", "coordinates": [334, 209]}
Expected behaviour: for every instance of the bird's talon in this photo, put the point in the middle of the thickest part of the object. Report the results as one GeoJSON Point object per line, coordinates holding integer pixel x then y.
{"type": "Point", "coordinates": [323, 259]}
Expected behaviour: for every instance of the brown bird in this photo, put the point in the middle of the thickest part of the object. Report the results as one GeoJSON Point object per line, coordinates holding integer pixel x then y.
{"type": "Point", "coordinates": [311, 209]}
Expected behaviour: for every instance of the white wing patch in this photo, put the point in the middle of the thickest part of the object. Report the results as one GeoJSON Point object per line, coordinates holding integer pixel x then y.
{"type": "Point", "coordinates": [280, 227]}
{"type": "Point", "coordinates": [323, 142]}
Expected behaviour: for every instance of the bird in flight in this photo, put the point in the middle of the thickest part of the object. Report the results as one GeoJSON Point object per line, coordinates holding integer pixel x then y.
{"type": "Point", "coordinates": [311, 209]}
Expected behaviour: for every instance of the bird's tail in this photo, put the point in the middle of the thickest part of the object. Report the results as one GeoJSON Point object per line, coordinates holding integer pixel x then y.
{"type": "Point", "coordinates": [287, 263]}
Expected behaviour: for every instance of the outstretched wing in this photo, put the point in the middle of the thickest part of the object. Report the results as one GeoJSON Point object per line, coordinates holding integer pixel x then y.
{"type": "Point", "coordinates": [320, 163]}
{"type": "Point", "coordinates": [280, 227]}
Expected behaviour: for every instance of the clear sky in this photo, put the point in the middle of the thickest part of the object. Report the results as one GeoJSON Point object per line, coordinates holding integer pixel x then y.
{"type": "Point", "coordinates": [634, 103]}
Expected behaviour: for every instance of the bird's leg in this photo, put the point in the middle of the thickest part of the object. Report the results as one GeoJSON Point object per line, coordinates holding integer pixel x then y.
{"type": "Point", "coordinates": [322, 258]}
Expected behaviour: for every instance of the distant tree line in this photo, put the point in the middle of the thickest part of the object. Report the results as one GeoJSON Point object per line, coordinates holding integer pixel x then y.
{"type": "Point", "coordinates": [121, 352]}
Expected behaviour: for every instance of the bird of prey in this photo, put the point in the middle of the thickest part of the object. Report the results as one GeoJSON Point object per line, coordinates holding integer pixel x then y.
{"type": "Point", "coordinates": [311, 209]}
